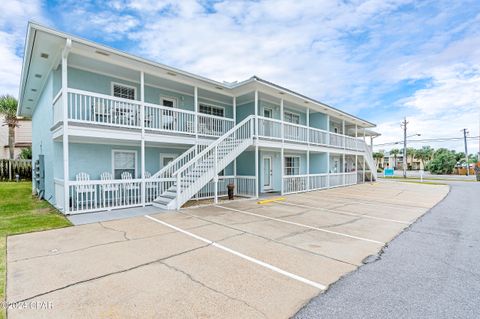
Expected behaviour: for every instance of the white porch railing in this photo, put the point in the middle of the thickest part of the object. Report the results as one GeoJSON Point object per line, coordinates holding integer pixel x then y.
{"type": "Point", "coordinates": [295, 132]}
{"type": "Point", "coordinates": [318, 181]}
{"type": "Point", "coordinates": [208, 191]}
{"type": "Point", "coordinates": [97, 195]}
{"type": "Point", "coordinates": [102, 109]}
{"type": "Point", "coordinates": [336, 140]}
{"type": "Point", "coordinates": [318, 136]}
{"type": "Point", "coordinates": [162, 118]}
{"type": "Point", "coordinates": [335, 179]}
{"type": "Point", "coordinates": [245, 186]}
{"type": "Point", "coordinates": [214, 125]}
{"type": "Point", "coordinates": [269, 128]}
{"type": "Point", "coordinates": [350, 178]}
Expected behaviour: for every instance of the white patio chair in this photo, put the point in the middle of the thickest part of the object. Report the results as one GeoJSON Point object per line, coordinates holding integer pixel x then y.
{"type": "Point", "coordinates": [131, 190]}
{"type": "Point", "coordinates": [85, 194]}
{"type": "Point", "coordinates": [110, 191]}
{"type": "Point", "coordinates": [102, 112]}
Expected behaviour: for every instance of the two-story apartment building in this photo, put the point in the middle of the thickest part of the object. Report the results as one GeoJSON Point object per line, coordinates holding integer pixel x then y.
{"type": "Point", "coordinates": [112, 130]}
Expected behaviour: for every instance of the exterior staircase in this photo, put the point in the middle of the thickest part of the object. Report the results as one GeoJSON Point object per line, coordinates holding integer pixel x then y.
{"type": "Point", "coordinates": [195, 168]}
{"type": "Point", "coordinates": [370, 162]}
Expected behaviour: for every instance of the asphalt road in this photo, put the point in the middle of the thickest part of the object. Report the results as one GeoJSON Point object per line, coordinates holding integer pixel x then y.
{"type": "Point", "coordinates": [431, 270]}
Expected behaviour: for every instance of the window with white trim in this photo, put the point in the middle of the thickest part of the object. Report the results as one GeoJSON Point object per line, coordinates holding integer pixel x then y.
{"type": "Point", "coordinates": [123, 91]}
{"type": "Point", "coordinates": [211, 110]}
{"type": "Point", "coordinates": [292, 165]}
{"type": "Point", "coordinates": [124, 161]}
{"type": "Point", "coordinates": [168, 101]}
{"type": "Point", "coordinates": [291, 117]}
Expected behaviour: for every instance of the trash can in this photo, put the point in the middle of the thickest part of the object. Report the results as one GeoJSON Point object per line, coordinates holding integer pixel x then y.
{"type": "Point", "coordinates": [230, 188]}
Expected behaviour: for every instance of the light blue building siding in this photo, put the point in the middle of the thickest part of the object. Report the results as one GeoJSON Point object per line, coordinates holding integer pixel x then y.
{"type": "Point", "coordinates": [244, 110]}
{"type": "Point", "coordinates": [246, 163]}
{"type": "Point", "coordinates": [275, 108]}
{"type": "Point", "coordinates": [42, 143]}
{"type": "Point", "coordinates": [319, 120]}
{"type": "Point", "coordinates": [82, 157]}
{"type": "Point", "coordinates": [318, 163]}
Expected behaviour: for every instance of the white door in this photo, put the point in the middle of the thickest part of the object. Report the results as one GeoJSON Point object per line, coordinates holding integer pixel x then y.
{"type": "Point", "coordinates": [267, 173]}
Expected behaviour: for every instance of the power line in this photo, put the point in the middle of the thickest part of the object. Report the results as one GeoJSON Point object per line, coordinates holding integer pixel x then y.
{"type": "Point", "coordinates": [440, 139]}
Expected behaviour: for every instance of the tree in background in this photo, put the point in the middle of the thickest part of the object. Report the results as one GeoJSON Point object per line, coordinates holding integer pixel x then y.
{"type": "Point", "coordinates": [424, 154]}
{"type": "Point", "coordinates": [410, 154]}
{"type": "Point", "coordinates": [443, 162]}
{"type": "Point", "coordinates": [26, 153]}
{"type": "Point", "coordinates": [395, 152]}
{"type": "Point", "coordinates": [8, 108]}
{"type": "Point", "coordinates": [378, 157]}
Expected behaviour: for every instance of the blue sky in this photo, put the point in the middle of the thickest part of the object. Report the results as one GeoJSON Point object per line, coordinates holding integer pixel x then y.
{"type": "Point", "coordinates": [378, 59]}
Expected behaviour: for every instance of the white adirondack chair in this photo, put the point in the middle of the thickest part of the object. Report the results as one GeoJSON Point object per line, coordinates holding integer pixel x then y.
{"type": "Point", "coordinates": [131, 190]}
{"type": "Point", "coordinates": [85, 193]}
{"type": "Point", "coordinates": [110, 191]}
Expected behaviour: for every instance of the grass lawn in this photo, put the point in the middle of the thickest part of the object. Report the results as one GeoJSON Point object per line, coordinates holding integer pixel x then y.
{"type": "Point", "coordinates": [20, 212]}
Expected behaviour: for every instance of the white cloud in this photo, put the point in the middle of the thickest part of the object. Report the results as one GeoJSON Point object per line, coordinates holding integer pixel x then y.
{"type": "Point", "coordinates": [12, 38]}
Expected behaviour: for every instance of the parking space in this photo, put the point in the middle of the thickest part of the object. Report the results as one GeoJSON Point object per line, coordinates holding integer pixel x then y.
{"type": "Point", "coordinates": [238, 259]}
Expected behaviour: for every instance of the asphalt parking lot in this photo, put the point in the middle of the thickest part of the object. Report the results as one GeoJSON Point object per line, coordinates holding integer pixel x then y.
{"type": "Point", "coordinates": [236, 260]}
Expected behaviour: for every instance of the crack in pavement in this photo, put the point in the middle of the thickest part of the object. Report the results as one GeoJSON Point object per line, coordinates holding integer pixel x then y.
{"type": "Point", "coordinates": [300, 232]}
{"type": "Point", "coordinates": [190, 277]}
{"type": "Point", "coordinates": [117, 230]}
{"type": "Point", "coordinates": [110, 274]}
{"type": "Point", "coordinates": [100, 245]}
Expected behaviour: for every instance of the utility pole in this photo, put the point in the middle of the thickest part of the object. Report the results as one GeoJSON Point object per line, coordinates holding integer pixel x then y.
{"type": "Point", "coordinates": [465, 132]}
{"type": "Point", "coordinates": [404, 126]}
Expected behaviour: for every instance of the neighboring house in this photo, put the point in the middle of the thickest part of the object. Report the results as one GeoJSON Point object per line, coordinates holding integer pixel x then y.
{"type": "Point", "coordinates": [117, 131]}
{"type": "Point", "coordinates": [23, 137]}
{"type": "Point", "coordinates": [388, 160]}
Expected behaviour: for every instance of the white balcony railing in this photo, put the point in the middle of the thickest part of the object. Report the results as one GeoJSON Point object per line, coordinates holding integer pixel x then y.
{"type": "Point", "coordinates": [272, 129]}
{"type": "Point", "coordinates": [162, 118]}
{"type": "Point", "coordinates": [214, 125]}
{"type": "Point", "coordinates": [335, 179]}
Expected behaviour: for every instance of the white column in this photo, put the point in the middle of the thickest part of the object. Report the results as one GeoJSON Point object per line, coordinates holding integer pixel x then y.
{"type": "Point", "coordinates": [364, 168]}
{"type": "Point", "coordinates": [328, 169]}
{"type": "Point", "coordinates": [356, 155]}
{"type": "Point", "coordinates": [142, 124]}
{"type": "Point", "coordinates": [282, 128]}
{"type": "Point", "coordinates": [234, 103]}
{"type": "Point", "coordinates": [257, 180]}
{"type": "Point", "coordinates": [282, 161]}
{"type": "Point", "coordinates": [328, 130]}
{"type": "Point", "coordinates": [308, 169]}
{"type": "Point", "coordinates": [195, 102]}
{"type": "Point", "coordinates": [215, 179]}
{"type": "Point", "coordinates": [344, 134]}
{"type": "Point", "coordinates": [256, 113]}
{"type": "Point", "coordinates": [66, 167]}
{"type": "Point", "coordinates": [344, 147]}
{"type": "Point", "coordinates": [308, 125]}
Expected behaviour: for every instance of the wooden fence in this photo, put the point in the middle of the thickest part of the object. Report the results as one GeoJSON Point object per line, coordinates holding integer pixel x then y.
{"type": "Point", "coordinates": [10, 168]}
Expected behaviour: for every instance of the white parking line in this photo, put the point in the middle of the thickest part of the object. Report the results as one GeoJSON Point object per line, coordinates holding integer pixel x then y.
{"type": "Point", "coordinates": [236, 253]}
{"type": "Point", "coordinates": [332, 211]}
{"type": "Point", "coordinates": [302, 225]}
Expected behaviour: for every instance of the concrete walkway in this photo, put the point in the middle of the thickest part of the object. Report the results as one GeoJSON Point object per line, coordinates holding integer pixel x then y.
{"type": "Point", "coordinates": [429, 271]}
{"type": "Point", "coordinates": [235, 260]}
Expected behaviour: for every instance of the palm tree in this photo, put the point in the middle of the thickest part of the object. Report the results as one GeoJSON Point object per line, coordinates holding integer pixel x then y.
{"type": "Point", "coordinates": [378, 157]}
{"type": "Point", "coordinates": [8, 108]}
{"type": "Point", "coordinates": [395, 152]}
{"type": "Point", "coordinates": [424, 155]}
{"type": "Point", "coordinates": [411, 154]}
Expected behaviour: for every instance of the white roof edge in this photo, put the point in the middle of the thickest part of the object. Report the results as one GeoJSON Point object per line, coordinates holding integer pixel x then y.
{"type": "Point", "coordinates": [36, 26]}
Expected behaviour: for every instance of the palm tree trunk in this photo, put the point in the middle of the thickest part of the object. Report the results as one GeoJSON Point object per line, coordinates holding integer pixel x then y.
{"type": "Point", "coordinates": [11, 141]}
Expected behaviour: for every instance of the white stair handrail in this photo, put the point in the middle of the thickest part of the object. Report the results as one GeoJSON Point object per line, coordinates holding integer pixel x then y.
{"type": "Point", "coordinates": [178, 162]}
{"type": "Point", "coordinates": [206, 164]}
{"type": "Point", "coordinates": [213, 145]}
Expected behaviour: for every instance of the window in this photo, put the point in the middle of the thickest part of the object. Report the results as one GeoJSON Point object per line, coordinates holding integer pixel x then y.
{"type": "Point", "coordinates": [168, 101]}
{"type": "Point", "coordinates": [292, 165]}
{"type": "Point", "coordinates": [124, 161]}
{"type": "Point", "coordinates": [211, 110]}
{"type": "Point", "coordinates": [123, 91]}
{"type": "Point", "coordinates": [291, 117]}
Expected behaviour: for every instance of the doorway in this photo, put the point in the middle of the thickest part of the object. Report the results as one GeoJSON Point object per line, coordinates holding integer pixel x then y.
{"type": "Point", "coordinates": [267, 173]}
